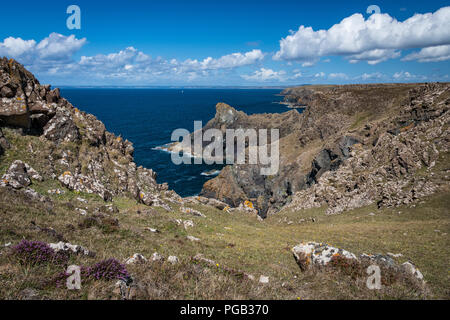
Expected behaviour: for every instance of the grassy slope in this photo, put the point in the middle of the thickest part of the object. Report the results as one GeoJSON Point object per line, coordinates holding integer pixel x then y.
{"type": "Point", "coordinates": [236, 240]}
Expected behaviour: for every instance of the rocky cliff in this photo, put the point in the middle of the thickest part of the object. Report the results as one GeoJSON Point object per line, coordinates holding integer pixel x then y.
{"type": "Point", "coordinates": [74, 146]}
{"type": "Point", "coordinates": [352, 146]}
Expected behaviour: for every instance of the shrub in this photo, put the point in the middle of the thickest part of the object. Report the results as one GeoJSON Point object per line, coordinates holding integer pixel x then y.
{"type": "Point", "coordinates": [108, 269]}
{"type": "Point", "coordinates": [349, 267]}
{"type": "Point", "coordinates": [36, 252]}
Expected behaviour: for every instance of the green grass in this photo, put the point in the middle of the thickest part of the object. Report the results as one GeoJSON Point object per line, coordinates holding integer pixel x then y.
{"type": "Point", "coordinates": [238, 241]}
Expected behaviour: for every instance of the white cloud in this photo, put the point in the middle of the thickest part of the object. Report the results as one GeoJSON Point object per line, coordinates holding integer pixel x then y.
{"type": "Point", "coordinates": [372, 76]}
{"type": "Point", "coordinates": [374, 56]}
{"type": "Point", "coordinates": [16, 47]}
{"type": "Point", "coordinates": [403, 75]}
{"type": "Point", "coordinates": [54, 56]}
{"type": "Point", "coordinates": [407, 76]}
{"type": "Point", "coordinates": [376, 39]}
{"type": "Point", "coordinates": [320, 75]}
{"type": "Point", "coordinates": [430, 54]}
{"type": "Point", "coordinates": [56, 48]}
{"type": "Point", "coordinates": [228, 61]}
{"type": "Point", "coordinates": [266, 74]}
{"type": "Point", "coordinates": [309, 63]}
{"type": "Point", "coordinates": [338, 76]}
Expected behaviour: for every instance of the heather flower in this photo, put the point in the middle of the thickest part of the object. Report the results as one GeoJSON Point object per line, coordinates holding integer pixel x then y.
{"type": "Point", "coordinates": [36, 253]}
{"type": "Point", "coordinates": [109, 269]}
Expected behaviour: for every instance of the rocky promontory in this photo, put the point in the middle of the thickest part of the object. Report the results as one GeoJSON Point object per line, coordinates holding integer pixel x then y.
{"type": "Point", "coordinates": [75, 147]}
{"type": "Point", "coordinates": [352, 146]}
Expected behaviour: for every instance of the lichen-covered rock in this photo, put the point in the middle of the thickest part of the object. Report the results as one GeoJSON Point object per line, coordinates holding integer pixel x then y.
{"type": "Point", "coordinates": [317, 255]}
{"type": "Point", "coordinates": [192, 212]}
{"type": "Point", "coordinates": [21, 97]}
{"type": "Point", "coordinates": [412, 270]}
{"type": "Point", "coordinates": [61, 127]}
{"type": "Point", "coordinates": [82, 183]}
{"type": "Point", "coordinates": [206, 201]}
{"type": "Point", "coordinates": [173, 259]}
{"type": "Point", "coordinates": [19, 175]}
{"type": "Point", "coordinates": [66, 246]}
{"type": "Point", "coordinates": [157, 257]}
{"type": "Point", "coordinates": [136, 258]}
{"type": "Point", "coordinates": [193, 239]}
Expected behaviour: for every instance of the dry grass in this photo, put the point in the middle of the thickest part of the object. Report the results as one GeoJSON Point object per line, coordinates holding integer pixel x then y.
{"type": "Point", "coordinates": [237, 241]}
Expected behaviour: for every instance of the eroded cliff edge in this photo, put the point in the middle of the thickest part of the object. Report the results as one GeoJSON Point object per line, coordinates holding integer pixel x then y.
{"type": "Point", "coordinates": [352, 146]}
{"type": "Point", "coordinates": [73, 147]}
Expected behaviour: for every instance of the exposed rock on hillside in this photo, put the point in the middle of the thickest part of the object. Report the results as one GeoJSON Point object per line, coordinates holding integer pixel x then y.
{"type": "Point", "coordinates": [76, 149]}
{"type": "Point", "coordinates": [19, 175]}
{"type": "Point", "coordinates": [318, 255]}
{"type": "Point", "coordinates": [352, 146]}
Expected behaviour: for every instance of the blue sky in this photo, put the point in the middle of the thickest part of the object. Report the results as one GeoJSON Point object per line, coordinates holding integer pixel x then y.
{"type": "Point", "coordinates": [184, 43]}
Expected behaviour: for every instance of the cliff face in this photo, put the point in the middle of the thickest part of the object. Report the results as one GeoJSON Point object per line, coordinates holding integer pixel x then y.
{"type": "Point", "coordinates": [353, 145]}
{"type": "Point", "coordinates": [74, 147]}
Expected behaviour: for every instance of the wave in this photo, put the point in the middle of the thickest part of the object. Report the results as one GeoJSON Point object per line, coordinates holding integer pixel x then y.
{"type": "Point", "coordinates": [210, 173]}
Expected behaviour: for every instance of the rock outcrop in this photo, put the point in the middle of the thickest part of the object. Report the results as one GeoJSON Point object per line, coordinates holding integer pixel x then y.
{"type": "Point", "coordinates": [352, 146]}
{"type": "Point", "coordinates": [76, 148]}
{"type": "Point", "coordinates": [19, 175]}
{"type": "Point", "coordinates": [318, 255]}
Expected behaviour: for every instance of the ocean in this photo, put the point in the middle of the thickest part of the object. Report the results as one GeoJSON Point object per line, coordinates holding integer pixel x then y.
{"type": "Point", "coordinates": [147, 118]}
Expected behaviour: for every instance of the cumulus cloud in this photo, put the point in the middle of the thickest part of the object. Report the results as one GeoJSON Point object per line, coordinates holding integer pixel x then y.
{"type": "Point", "coordinates": [407, 76]}
{"type": "Point", "coordinates": [430, 54]}
{"type": "Point", "coordinates": [372, 76]}
{"type": "Point", "coordinates": [264, 74]}
{"type": "Point", "coordinates": [374, 40]}
{"type": "Point", "coordinates": [54, 56]}
{"type": "Point", "coordinates": [55, 48]}
{"type": "Point", "coordinates": [338, 76]}
{"type": "Point", "coordinates": [374, 56]}
{"type": "Point", "coordinates": [228, 61]}
{"type": "Point", "coordinates": [320, 75]}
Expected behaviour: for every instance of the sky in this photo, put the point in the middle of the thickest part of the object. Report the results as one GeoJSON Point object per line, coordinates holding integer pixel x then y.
{"type": "Point", "coordinates": [229, 43]}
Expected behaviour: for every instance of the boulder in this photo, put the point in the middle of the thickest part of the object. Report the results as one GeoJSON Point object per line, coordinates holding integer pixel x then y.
{"type": "Point", "coordinates": [317, 255]}
{"type": "Point", "coordinates": [61, 127]}
{"type": "Point", "coordinates": [173, 259]}
{"type": "Point", "coordinates": [136, 258]}
{"type": "Point", "coordinates": [192, 212]}
{"type": "Point", "coordinates": [129, 289]}
{"type": "Point", "coordinates": [188, 224]}
{"type": "Point", "coordinates": [409, 268]}
{"type": "Point", "coordinates": [308, 255]}
{"type": "Point", "coordinates": [16, 176]}
{"type": "Point", "coordinates": [263, 279]}
{"type": "Point", "coordinates": [157, 257]}
{"type": "Point", "coordinates": [193, 239]}
{"type": "Point", "coordinates": [66, 246]}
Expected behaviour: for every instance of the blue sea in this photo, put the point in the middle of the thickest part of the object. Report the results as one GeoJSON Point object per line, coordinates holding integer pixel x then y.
{"type": "Point", "coordinates": [147, 118]}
